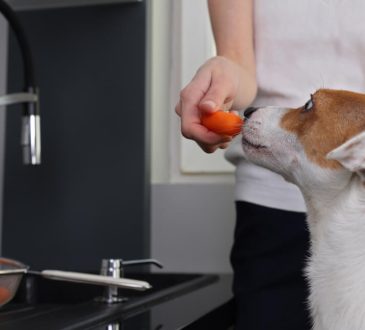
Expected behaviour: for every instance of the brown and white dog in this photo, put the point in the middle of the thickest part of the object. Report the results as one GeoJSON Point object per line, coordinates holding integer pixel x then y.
{"type": "Point", "coordinates": [320, 147]}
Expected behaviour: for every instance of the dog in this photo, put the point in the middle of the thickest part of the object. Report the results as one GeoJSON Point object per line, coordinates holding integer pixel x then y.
{"type": "Point", "coordinates": [320, 147]}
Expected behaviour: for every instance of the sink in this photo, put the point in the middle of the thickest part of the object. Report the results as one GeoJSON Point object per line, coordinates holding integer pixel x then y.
{"type": "Point", "coordinates": [37, 290]}
{"type": "Point", "coordinates": [41, 301]}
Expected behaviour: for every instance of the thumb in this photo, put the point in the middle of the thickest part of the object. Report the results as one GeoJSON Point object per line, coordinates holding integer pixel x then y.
{"type": "Point", "coordinates": [218, 94]}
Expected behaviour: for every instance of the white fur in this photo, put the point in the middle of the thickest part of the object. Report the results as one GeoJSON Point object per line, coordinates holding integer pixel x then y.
{"type": "Point", "coordinates": [335, 201]}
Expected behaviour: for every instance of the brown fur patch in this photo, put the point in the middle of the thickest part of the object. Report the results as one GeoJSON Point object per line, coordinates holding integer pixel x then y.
{"type": "Point", "coordinates": [335, 117]}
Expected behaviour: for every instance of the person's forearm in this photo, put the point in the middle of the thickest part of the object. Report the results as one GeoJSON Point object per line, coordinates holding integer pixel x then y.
{"type": "Point", "coordinates": [232, 24]}
{"type": "Point", "coordinates": [232, 28]}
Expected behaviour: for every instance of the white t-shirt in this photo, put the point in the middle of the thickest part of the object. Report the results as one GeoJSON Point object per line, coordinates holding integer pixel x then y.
{"type": "Point", "coordinates": [300, 46]}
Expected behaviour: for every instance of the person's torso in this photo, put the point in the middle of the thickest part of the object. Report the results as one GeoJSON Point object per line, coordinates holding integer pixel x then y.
{"type": "Point", "coordinates": [300, 46]}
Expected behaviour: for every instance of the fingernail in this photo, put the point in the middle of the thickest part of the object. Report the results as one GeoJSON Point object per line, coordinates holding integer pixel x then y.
{"type": "Point", "coordinates": [209, 104]}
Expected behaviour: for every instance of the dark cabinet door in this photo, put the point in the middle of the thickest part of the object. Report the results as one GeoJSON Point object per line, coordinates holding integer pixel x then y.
{"type": "Point", "coordinates": [89, 198]}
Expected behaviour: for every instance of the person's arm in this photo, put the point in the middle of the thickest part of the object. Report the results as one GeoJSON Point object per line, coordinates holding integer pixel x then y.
{"type": "Point", "coordinates": [232, 24]}
{"type": "Point", "coordinates": [226, 81]}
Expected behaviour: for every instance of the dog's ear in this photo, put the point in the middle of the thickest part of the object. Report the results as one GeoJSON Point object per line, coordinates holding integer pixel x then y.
{"type": "Point", "coordinates": [351, 154]}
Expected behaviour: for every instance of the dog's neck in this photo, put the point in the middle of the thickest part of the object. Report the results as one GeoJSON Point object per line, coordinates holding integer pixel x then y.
{"type": "Point", "coordinates": [336, 267]}
{"type": "Point", "coordinates": [336, 209]}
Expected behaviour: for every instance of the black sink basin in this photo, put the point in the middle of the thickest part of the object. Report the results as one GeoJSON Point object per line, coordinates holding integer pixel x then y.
{"type": "Point", "coordinates": [64, 304]}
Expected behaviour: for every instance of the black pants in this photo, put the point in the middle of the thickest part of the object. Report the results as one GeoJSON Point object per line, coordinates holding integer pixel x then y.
{"type": "Point", "coordinates": [268, 258]}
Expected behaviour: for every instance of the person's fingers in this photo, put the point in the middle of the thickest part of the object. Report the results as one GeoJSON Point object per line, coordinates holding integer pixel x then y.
{"type": "Point", "coordinates": [200, 134]}
{"type": "Point", "coordinates": [178, 108]}
{"type": "Point", "coordinates": [224, 146]}
{"type": "Point", "coordinates": [210, 89]}
{"type": "Point", "coordinates": [220, 94]}
{"type": "Point", "coordinates": [187, 109]}
{"type": "Point", "coordinates": [208, 107]}
{"type": "Point", "coordinates": [191, 95]}
{"type": "Point", "coordinates": [227, 106]}
{"type": "Point", "coordinates": [211, 148]}
{"type": "Point", "coordinates": [208, 148]}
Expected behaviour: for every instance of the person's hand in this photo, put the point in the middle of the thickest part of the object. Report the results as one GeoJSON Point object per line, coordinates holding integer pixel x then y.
{"type": "Point", "coordinates": [218, 84]}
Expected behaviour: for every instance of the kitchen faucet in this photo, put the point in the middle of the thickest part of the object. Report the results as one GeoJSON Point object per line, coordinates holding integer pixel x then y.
{"type": "Point", "coordinates": [30, 134]}
{"type": "Point", "coordinates": [115, 268]}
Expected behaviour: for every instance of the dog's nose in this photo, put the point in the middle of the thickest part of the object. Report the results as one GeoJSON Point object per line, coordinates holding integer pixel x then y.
{"type": "Point", "coordinates": [249, 111]}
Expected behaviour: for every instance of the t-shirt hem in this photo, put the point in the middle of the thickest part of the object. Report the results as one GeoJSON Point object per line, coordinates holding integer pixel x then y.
{"type": "Point", "coordinates": [273, 197]}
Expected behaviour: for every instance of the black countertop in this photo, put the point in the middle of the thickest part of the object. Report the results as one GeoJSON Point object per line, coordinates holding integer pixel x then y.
{"type": "Point", "coordinates": [200, 302]}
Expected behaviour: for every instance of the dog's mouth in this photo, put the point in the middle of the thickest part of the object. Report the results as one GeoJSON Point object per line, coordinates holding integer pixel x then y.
{"type": "Point", "coordinates": [248, 143]}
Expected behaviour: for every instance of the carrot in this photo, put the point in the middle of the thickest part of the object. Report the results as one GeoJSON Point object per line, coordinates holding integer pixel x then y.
{"type": "Point", "coordinates": [222, 122]}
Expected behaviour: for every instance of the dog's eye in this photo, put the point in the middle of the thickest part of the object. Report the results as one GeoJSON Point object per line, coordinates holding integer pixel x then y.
{"type": "Point", "coordinates": [309, 105]}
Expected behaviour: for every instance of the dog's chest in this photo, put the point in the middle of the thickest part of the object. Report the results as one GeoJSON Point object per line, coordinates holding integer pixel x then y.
{"type": "Point", "coordinates": [336, 274]}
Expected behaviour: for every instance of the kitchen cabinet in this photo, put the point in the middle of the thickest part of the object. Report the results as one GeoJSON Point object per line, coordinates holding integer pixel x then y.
{"type": "Point", "coordinates": [47, 4]}
{"type": "Point", "coordinates": [89, 199]}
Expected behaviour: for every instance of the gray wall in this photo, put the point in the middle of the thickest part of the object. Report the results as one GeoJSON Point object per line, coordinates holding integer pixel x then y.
{"type": "Point", "coordinates": [192, 226]}
{"type": "Point", "coordinates": [192, 215]}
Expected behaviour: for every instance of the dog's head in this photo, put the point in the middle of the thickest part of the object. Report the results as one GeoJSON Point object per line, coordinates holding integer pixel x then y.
{"type": "Point", "coordinates": [320, 143]}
